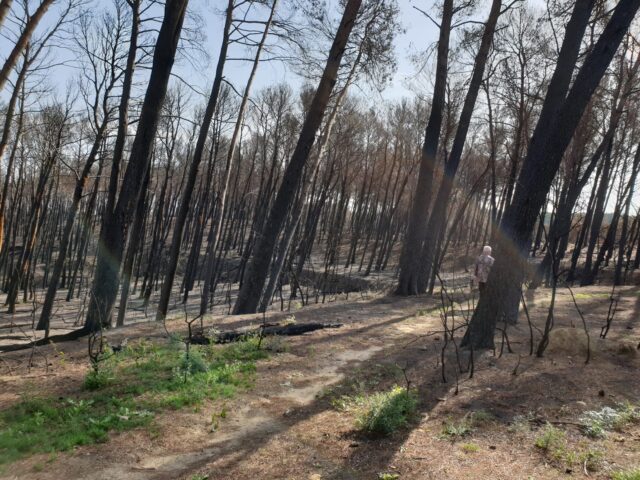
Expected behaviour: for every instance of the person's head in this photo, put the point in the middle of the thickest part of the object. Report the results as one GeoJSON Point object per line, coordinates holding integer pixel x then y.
{"type": "Point", "coordinates": [486, 250]}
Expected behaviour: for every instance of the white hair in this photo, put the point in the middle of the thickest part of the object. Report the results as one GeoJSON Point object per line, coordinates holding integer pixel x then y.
{"type": "Point", "coordinates": [486, 250]}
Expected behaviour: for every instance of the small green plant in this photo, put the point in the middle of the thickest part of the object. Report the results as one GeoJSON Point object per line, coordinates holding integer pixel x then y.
{"type": "Point", "coordinates": [470, 447]}
{"type": "Point", "coordinates": [596, 423]}
{"type": "Point", "coordinates": [592, 460]}
{"type": "Point", "coordinates": [552, 440]}
{"type": "Point", "coordinates": [554, 443]}
{"type": "Point", "coordinates": [633, 474]}
{"type": "Point", "coordinates": [95, 379]}
{"type": "Point", "coordinates": [388, 476]}
{"type": "Point", "coordinates": [454, 430]}
{"type": "Point", "coordinates": [200, 476]}
{"type": "Point", "coordinates": [385, 412]}
{"type": "Point", "coordinates": [381, 413]}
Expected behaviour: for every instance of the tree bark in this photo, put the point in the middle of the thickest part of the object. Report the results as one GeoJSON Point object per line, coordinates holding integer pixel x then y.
{"type": "Point", "coordinates": [255, 277]}
{"type": "Point", "coordinates": [417, 227]}
{"type": "Point", "coordinates": [553, 133]}
{"type": "Point", "coordinates": [23, 40]}
{"type": "Point", "coordinates": [437, 220]}
{"type": "Point", "coordinates": [115, 224]}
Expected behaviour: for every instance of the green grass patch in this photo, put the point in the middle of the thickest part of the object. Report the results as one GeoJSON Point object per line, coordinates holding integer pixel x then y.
{"type": "Point", "coordinates": [627, 474]}
{"type": "Point", "coordinates": [388, 476]}
{"type": "Point", "coordinates": [470, 447]}
{"type": "Point", "coordinates": [381, 413]}
{"type": "Point", "coordinates": [126, 392]}
{"type": "Point", "coordinates": [553, 442]}
{"type": "Point", "coordinates": [596, 423]}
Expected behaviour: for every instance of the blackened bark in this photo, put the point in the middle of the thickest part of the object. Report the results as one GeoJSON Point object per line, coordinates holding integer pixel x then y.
{"type": "Point", "coordinates": [183, 209]}
{"type": "Point", "coordinates": [437, 220]}
{"type": "Point", "coordinates": [417, 227]}
{"type": "Point", "coordinates": [112, 238]}
{"type": "Point", "coordinates": [503, 290]}
{"type": "Point", "coordinates": [255, 277]}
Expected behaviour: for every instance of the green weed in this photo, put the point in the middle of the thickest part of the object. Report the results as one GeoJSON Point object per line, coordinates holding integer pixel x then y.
{"type": "Point", "coordinates": [596, 423]}
{"type": "Point", "coordinates": [469, 447]}
{"type": "Point", "coordinates": [388, 476]}
{"type": "Point", "coordinates": [454, 430]}
{"type": "Point", "coordinates": [126, 392]}
{"type": "Point", "coordinates": [385, 412]}
{"type": "Point", "coordinates": [633, 474]}
{"type": "Point", "coordinates": [552, 441]}
{"type": "Point", "coordinates": [381, 413]}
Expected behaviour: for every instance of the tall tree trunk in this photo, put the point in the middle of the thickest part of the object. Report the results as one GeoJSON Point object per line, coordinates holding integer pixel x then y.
{"type": "Point", "coordinates": [221, 198]}
{"type": "Point", "coordinates": [553, 133]}
{"type": "Point", "coordinates": [23, 40]}
{"type": "Point", "coordinates": [437, 220]}
{"type": "Point", "coordinates": [417, 227]}
{"type": "Point", "coordinates": [4, 141]}
{"type": "Point", "coordinates": [185, 201]}
{"type": "Point", "coordinates": [123, 107]}
{"type": "Point", "coordinates": [115, 224]}
{"type": "Point", "coordinates": [258, 269]}
{"type": "Point", "coordinates": [47, 306]}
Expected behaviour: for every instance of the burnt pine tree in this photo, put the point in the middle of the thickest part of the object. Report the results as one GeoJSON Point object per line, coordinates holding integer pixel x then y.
{"type": "Point", "coordinates": [437, 220]}
{"type": "Point", "coordinates": [113, 234]}
{"type": "Point", "coordinates": [258, 269]}
{"type": "Point", "coordinates": [416, 229]}
{"type": "Point", "coordinates": [557, 123]}
{"type": "Point", "coordinates": [185, 201]}
{"type": "Point", "coordinates": [32, 22]}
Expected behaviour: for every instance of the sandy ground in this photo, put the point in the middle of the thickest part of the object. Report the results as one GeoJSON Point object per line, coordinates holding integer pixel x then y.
{"type": "Point", "coordinates": [286, 427]}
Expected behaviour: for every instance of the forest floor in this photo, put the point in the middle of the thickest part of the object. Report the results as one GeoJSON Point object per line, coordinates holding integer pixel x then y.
{"type": "Point", "coordinates": [289, 424]}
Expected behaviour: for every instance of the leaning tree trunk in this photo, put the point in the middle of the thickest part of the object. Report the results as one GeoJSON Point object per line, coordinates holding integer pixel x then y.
{"type": "Point", "coordinates": [47, 306]}
{"type": "Point", "coordinates": [221, 198]}
{"type": "Point", "coordinates": [5, 7]}
{"type": "Point", "coordinates": [258, 269]}
{"type": "Point", "coordinates": [112, 237]}
{"type": "Point", "coordinates": [417, 227]}
{"type": "Point", "coordinates": [501, 298]}
{"type": "Point", "coordinates": [123, 106]}
{"type": "Point", "coordinates": [437, 220]}
{"type": "Point", "coordinates": [183, 209]}
{"type": "Point", "coordinates": [23, 40]}
{"type": "Point", "coordinates": [4, 141]}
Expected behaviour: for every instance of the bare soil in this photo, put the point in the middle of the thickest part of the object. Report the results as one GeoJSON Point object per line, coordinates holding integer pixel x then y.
{"type": "Point", "coordinates": [286, 426]}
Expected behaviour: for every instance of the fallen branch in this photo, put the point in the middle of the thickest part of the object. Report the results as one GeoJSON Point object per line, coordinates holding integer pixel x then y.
{"type": "Point", "coordinates": [267, 330]}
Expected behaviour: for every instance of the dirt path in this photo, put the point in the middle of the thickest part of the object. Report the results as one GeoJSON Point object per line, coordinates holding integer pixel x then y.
{"type": "Point", "coordinates": [285, 427]}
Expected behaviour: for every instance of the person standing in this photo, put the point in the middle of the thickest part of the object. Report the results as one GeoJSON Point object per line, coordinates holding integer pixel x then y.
{"type": "Point", "coordinates": [483, 266]}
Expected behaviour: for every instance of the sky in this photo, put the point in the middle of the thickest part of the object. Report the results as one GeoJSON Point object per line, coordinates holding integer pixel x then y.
{"type": "Point", "coordinates": [417, 35]}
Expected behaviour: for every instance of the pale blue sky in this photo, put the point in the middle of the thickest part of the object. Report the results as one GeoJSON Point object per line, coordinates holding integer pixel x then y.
{"type": "Point", "coordinates": [418, 34]}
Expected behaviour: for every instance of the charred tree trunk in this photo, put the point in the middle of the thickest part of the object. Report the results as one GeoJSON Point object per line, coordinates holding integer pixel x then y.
{"type": "Point", "coordinates": [115, 224]}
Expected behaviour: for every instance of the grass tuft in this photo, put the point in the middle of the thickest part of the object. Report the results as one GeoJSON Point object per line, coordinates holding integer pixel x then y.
{"type": "Point", "coordinates": [381, 413]}
{"type": "Point", "coordinates": [627, 474]}
{"type": "Point", "coordinates": [470, 447]}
